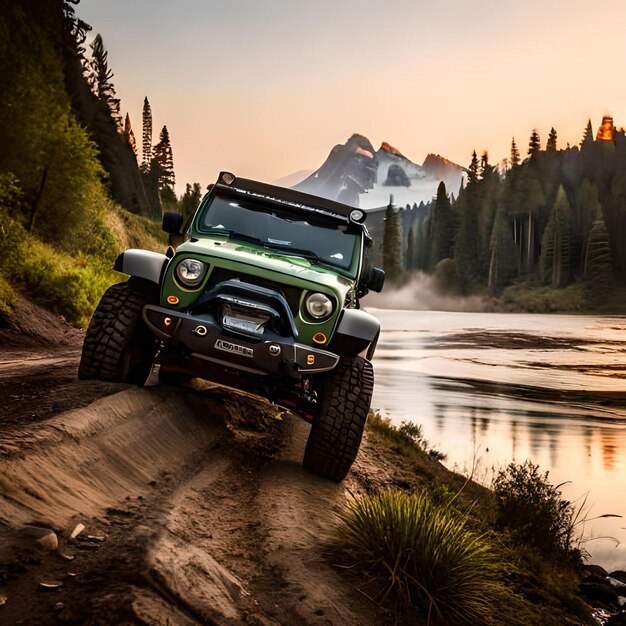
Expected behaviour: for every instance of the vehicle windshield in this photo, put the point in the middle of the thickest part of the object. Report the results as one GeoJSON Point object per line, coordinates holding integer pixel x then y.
{"type": "Point", "coordinates": [276, 229]}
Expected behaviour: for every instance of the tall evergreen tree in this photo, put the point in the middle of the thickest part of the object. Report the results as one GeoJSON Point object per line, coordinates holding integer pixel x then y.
{"type": "Point", "coordinates": [556, 243]}
{"type": "Point", "coordinates": [163, 162]}
{"type": "Point", "coordinates": [588, 135]}
{"type": "Point", "coordinates": [502, 262]}
{"type": "Point", "coordinates": [442, 228]}
{"type": "Point", "coordinates": [551, 145]}
{"type": "Point", "coordinates": [146, 140]}
{"type": "Point", "coordinates": [100, 80]}
{"type": "Point", "coordinates": [598, 277]}
{"type": "Point", "coordinates": [515, 158]}
{"type": "Point", "coordinates": [534, 144]}
{"type": "Point", "coordinates": [190, 200]}
{"type": "Point", "coordinates": [392, 243]}
{"type": "Point", "coordinates": [472, 170]}
{"type": "Point", "coordinates": [129, 134]}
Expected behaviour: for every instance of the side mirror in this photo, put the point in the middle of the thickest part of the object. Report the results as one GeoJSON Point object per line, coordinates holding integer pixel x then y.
{"type": "Point", "coordinates": [376, 279]}
{"type": "Point", "coordinates": [172, 222]}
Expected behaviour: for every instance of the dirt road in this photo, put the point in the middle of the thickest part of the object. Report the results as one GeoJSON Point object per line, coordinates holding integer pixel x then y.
{"type": "Point", "coordinates": [194, 505]}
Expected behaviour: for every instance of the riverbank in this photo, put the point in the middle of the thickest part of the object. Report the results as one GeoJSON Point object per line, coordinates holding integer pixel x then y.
{"type": "Point", "coordinates": [196, 509]}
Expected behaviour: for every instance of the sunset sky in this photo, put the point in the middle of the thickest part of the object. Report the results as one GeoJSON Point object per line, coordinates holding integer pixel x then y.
{"type": "Point", "coordinates": [265, 88]}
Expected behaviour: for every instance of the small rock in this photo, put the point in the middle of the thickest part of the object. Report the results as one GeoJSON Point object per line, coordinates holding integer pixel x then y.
{"type": "Point", "coordinates": [99, 538]}
{"type": "Point", "coordinates": [67, 557]}
{"type": "Point", "coordinates": [49, 541]}
{"type": "Point", "coordinates": [3, 599]}
{"type": "Point", "coordinates": [77, 530]}
{"type": "Point", "coordinates": [88, 546]}
{"type": "Point", "coordinates": [50, 585]}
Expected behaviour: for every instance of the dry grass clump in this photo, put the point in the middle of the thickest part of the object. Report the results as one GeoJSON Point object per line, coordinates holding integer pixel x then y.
{"type": "Point", "coordinates": [422, 555]}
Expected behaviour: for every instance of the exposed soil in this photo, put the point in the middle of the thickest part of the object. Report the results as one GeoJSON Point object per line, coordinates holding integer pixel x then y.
{"type": "Point", "coordinates": [194, 504]}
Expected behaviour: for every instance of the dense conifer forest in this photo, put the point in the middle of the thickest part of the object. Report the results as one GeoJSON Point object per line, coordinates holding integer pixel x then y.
{"type": "Point", "coordinates": [554, 221]}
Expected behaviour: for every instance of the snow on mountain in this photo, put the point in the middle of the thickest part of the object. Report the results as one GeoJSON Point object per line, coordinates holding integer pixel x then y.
{"type": "Point", "coordinates": [357, 174]}
{"type": "Point", "coordinates": [291, 180]}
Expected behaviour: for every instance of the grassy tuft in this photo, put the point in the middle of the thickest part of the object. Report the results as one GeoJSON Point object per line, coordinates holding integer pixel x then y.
{"type": "Point", "coordinates": [423, 555]}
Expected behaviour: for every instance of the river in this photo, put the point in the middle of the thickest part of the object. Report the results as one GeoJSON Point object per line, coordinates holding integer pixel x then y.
{"type": "Point", "coordinates": [492, 388]}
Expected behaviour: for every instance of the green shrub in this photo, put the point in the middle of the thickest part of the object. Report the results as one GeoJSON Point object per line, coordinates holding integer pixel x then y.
{"type": "Point", "coordinates": [524, 296]}
{"type": "Point", "coordinates": [533, 509]}
{"type": "Point", "coordinates": [407, 436]}
{"type": "Point", "coordinates": [7, 298]}
{"type": "Point", "coordinates": [423, 555]}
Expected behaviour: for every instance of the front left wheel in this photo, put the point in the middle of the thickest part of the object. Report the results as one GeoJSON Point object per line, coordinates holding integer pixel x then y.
{"type": "Point", "coordinates": [118, 345]}
{"type": "Point", "coordinates": [337, 429]}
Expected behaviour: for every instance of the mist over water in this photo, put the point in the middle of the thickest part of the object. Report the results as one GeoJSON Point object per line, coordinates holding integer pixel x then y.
{"type": "Point", "coordinates": [422, 293]}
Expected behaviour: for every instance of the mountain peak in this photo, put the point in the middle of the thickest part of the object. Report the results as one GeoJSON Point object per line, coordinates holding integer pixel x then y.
{"type": "Point", "coordinates": [387, 147]}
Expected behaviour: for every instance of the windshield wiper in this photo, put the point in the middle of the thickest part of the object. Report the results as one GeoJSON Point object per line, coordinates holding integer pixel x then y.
{"type": "Point", "coordinates": [307, 254]}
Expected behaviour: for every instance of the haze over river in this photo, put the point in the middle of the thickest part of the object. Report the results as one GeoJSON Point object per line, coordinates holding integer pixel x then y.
{"type": "Point", "coordinates": [490, 388]}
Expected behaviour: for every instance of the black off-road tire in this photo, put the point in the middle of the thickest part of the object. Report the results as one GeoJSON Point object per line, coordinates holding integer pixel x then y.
{"type": "Point", "coordinates": [118, 345]}
{"type": "Point", "coordinates": [337, 429]}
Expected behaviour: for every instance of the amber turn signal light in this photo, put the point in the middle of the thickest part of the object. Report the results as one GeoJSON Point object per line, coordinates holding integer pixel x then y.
{"type": "Point", "coordinates": [172, 300]}
{"type": "Point", "coordinates": [319, 338]}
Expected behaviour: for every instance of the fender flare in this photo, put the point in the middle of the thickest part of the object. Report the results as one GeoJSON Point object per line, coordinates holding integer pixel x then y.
{"type": "Point", "coordinates": [356, 333]}
{"type": "Point", "coordinates": [143, 264]}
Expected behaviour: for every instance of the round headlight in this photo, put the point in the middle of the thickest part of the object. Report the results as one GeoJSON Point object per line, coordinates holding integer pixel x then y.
{"type": "Point", "coordinates": [318, 305]}
{"type": "Point", "coordinates": [190, 272]}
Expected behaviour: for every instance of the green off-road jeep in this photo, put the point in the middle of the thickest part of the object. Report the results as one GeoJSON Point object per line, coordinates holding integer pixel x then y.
{"type": "Point", "coordinates": [262, 295]}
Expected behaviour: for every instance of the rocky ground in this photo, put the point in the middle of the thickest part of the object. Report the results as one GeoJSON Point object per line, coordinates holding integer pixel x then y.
{"type": "Point", "coordinates": [162, 505]}
{"type": "Point", "coordinates": [159, 505]}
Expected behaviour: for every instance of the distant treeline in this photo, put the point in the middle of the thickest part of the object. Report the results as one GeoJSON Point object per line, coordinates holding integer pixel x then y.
{"type": "Point", "coordinates": [556, 218]}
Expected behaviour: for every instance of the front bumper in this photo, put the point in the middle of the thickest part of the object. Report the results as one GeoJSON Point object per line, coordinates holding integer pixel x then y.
{"type": "Point", "coordinates": [204, 338]}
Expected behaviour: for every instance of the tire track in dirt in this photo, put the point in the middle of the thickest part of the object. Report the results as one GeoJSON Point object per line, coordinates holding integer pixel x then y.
{"type": "Point", "coordinates": [208, 516]}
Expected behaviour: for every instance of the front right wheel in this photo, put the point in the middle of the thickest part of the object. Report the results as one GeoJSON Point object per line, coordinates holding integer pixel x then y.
{"type": "Point", "coordinates": [337, 429]}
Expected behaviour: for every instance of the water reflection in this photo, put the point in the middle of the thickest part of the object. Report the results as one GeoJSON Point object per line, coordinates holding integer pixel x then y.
{"type": "Point", "coordinates": [490, 389]}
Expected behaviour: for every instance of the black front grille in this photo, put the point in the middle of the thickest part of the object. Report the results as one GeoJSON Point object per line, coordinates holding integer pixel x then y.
{"type": "Point", "coordinates": [291, 294]}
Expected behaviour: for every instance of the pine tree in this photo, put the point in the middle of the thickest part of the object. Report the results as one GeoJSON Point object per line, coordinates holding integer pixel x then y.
{"type": "Point", "coordinates": [146, 142]}
{"type": "Point", "coordinates": [466, 246]}
{"type": "Point", "coordinates": [410, 248]}
{"type": "Point", "coordinates": [163, 162]}
{"type": "Point", "coordinates": [442, 228]}
{"type": "Point", "coordinates": [551, 145]}
{"type": "Point", "coordinates": [190, 200]}
{"type": "Point", "coordinates": [502, 263]}
{"type": "Point", "coordinates": [100, 80]}
{"type": "Point", "coordinates": [484, 164]}
{"type": "Point", "coordinates": [598, 278]}
{"type": "Point", "coordinates": [588, 135]}
{"type": "Point", "coordinates": [534, 144]}
{"type": "Point", "coordinates": [556, 243]}
{"type": "Point", "coordinates": [472, 170]}
{"type": "Point", "coordinates": [392, 243]}
{"type": "Point", "coordinates": [129, 134]}
{"type": "Point", "coordinates": [515, 158]}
